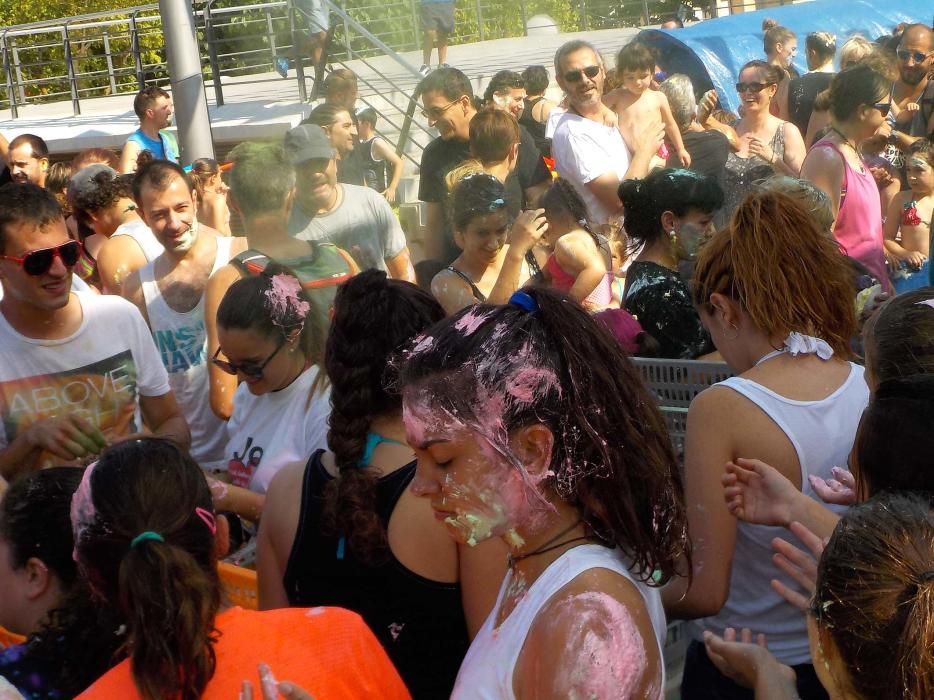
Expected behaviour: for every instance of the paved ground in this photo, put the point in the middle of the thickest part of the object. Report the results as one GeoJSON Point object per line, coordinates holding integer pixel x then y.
{"type": "Point", "coordinates": [264, 106]}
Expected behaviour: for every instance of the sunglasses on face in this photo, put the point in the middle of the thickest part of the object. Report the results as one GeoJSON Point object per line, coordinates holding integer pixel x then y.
{"type": "Point", "coordinates": [905, 54]}
{"type": "Point", "coordinates": [751, 87]}
{"type": "Point", "coordinates": [251, 370]}
{"type": "Point", "coordinates": [38, 262]}
{"type": "Point", "coordinates": [575, 76]}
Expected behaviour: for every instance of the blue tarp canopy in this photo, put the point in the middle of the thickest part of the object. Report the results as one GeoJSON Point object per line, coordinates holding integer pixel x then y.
{"type": "Point", "coordinates": [712, 52]}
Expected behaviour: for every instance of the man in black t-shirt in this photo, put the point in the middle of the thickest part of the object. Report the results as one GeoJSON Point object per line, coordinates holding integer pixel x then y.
{"type": "Point", "coordinates": [448, 103]}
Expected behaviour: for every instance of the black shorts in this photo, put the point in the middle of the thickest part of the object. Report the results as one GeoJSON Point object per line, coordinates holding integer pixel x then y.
{"type": "Point", "coordinates": [438, 16]}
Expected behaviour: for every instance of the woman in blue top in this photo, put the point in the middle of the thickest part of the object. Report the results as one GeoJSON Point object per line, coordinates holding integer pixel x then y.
{"type": "Point", "coordinates": [345, 530]}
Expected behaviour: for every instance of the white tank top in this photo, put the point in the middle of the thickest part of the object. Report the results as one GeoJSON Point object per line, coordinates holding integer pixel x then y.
{"type": "Point", "coordinates": [487, 671]}
{"type": "Point", "coordinates": [139, 232]}
{"type": "Point", "coordinates": [182, 342]}
{"type": "Point", "coordinates": [822, 433]}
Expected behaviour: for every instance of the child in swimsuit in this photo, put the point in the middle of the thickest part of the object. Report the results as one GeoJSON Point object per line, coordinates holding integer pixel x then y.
{"type": "Point", "coordinates": [580, 263]}
{"type": "Point", "coordinates": [908, 222]}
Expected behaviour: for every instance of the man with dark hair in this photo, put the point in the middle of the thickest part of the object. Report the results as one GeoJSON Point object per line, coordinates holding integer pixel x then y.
{"type": "Point", "coordinates": [588, 149]}
{"type": "Point", "coordinates": [28, 160]}
{"type": "Point", "coordinates": [447, 98]}
{"type": "Point", "coordinates": [153, 106]}
{"type": "Point", "coordinates": [506, 91]}
{"type": "Point", "coordinates": [437, 20]}
{"type": "Point", "coordinates": [169, 292]}
{"type": "Point", "coordinates": [77, 367]}
{"type": "Point", "coordinates": [536, 109]}
{"type": "Point", "coordinates": [376, 156]}
{"type": "Point", "coordinates": [673, 23]}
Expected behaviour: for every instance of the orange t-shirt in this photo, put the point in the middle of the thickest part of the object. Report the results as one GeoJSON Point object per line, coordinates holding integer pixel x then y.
{"type": "Point", "coordinates": [330, 652]}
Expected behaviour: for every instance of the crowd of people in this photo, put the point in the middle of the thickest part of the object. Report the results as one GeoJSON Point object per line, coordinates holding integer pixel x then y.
{"type": "Point", "coordinates": [436, 452]}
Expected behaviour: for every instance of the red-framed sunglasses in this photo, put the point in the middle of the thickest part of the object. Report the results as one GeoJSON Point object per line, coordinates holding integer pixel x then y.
{"type": "Point", "coordinates": [38, 262]}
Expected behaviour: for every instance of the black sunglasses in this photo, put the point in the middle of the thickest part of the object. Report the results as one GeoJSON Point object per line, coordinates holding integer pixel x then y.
{"type": "Point", "coordinates": [883, 107]}
{"type": "Point", "coordinates": [38, 262]}
{"type": "Point", "coordinates": [751, 87]}
{"type": "Point", "coordinates": [249, 369]}
{"type": "Point", "coordinates": [575, 76]}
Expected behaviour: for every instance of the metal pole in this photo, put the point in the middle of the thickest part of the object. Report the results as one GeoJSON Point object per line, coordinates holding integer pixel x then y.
{"type": "Point", "coordinates": [271, 34]}
{"type": "Point", "coordinates": [110, 63]}
{"type": "Point", "coordinates": [480, 21]}
{"type": "Point", "coordinates": [72, 73]}
{"type": "Point", "coordinates": [137, 56]}
{"type": "Point", "coordinates": [645, 9]}
{"type": "Point", "coordinates": [416, 25]}
{"type": "Point", "coordinates": [296, 50]}
{"type": "Point", "coordinates": [8, 75]}
{"type": "Point", "coordinates": [211, 41]}
{"type": "Point", "coordinates": [184, 60]}
{"type": "Point", "coordinates": [18, 72]}
{"type": "Point", "coordinates": [585, 22]}
{"type": "Point", "coordinates": [525, 21]}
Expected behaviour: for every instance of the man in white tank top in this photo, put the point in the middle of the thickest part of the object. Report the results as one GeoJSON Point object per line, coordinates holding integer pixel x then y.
{"type": "Point", "coordinates": [169, 291]}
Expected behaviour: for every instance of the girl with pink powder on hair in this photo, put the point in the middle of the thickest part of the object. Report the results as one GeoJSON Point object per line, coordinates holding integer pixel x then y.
{"type": "Point", "coordinates": [531, 426]}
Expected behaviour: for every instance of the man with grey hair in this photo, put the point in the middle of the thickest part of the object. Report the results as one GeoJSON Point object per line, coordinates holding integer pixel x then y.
{"type": "Point", "coordinates": [587, 146]}
{"type": "Point", "coordinates": [708, 148]}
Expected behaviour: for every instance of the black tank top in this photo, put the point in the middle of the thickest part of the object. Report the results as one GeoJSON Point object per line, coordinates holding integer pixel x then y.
{"type": "Point", "coordinates": [536, 128]}
{"type": "Point", "coordinates": [419, 622]}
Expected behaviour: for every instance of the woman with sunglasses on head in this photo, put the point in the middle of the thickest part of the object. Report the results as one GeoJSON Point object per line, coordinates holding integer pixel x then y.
{"type": "Point", "coordinates": [859, 103]}
{"type": "Point", "coordinates": [147, 541]}
{"type": "Point", "coordinates": [767, 144]}
{"type": "Point", "coordinates": [492, 263]}
{"type": "Point", "coordinates": [267, 339]}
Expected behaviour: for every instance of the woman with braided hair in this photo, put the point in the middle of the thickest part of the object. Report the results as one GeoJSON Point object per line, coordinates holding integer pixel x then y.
{"type": "Point", "coordinates": [343, 529]}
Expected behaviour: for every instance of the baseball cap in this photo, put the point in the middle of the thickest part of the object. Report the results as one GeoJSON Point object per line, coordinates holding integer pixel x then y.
{"type": "Point", "coordinates": [83, 183]}
{"type": "Point", "coordinates": [307, 142]}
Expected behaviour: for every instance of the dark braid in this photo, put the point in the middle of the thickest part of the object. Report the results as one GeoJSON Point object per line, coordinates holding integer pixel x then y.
{"type": "Point", "coordinates": [562, 196]}
{"type": "Point", "coordinates": [373, 317]}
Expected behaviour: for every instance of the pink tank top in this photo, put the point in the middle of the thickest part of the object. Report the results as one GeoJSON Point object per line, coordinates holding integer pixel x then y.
{"type": "Point", "coordinates": [562, 281]}
{"type": "Point", "coordinates": [858, 228]}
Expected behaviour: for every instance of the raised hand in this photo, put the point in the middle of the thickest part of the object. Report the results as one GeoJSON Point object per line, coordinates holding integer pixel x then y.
{"type": "Point", "coordinates": [757, 493]}
{"type": "Point", "coordinates": [841, 490]}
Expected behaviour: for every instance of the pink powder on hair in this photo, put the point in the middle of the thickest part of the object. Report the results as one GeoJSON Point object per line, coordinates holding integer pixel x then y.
{"type": "Point", "coordinates": [284, 292]}
{"type": "Point", "coordinates": [83, 513]}
{"type": "Point", "coordinates": [605, 654]}
{"type": "Point", "coordinates": [424, 343]}
{"type": "Point", "coordinates": [530, 381]}
{"type": "Point", "coordinates": [471, 321]}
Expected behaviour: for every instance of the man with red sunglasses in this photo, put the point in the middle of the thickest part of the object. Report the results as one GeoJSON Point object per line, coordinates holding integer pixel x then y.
{"type": "Point", "coordinates": [78, 368]}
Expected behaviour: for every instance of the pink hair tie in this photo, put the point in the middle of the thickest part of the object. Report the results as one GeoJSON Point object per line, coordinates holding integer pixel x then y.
{"type": "Point", "coordinates": [208, 518]}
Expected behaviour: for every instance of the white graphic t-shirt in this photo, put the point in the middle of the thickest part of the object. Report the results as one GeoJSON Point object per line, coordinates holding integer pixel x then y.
{"type": "Point", "coordinates": [99, 372]}
{"type": "Point", "coordinates": [267, 432]}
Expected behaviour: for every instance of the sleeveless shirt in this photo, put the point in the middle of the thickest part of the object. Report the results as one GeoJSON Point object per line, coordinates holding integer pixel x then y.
{"type": "Point", "coordinates": [487, 671]}
{"type": "Point", "coordinates": [419, 622]}
{"type": "Point", "coordinates": [858, 227]}
{"type": "Point", "coordinates": [822, 433]}
{"type": "Point", "coordinates": [182, 342]}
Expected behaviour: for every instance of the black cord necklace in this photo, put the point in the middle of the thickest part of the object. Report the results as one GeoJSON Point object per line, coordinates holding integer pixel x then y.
{"type": "Point", "coordinates": [552, 544]}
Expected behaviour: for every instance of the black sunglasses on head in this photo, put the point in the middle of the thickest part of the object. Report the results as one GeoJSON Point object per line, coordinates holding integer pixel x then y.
{"type": "Point", "coordinates": [883, 107]}
{"type": "Point", "coordinates": [38, 262]}
{"type": "Point", "coordinates": [249, 369]}
{"type": "Point", "coordinates": [575, 76]}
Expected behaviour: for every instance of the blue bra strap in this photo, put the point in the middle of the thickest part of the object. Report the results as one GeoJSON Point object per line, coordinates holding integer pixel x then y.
{"type": "Point", "coordinates": [373, 440]}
